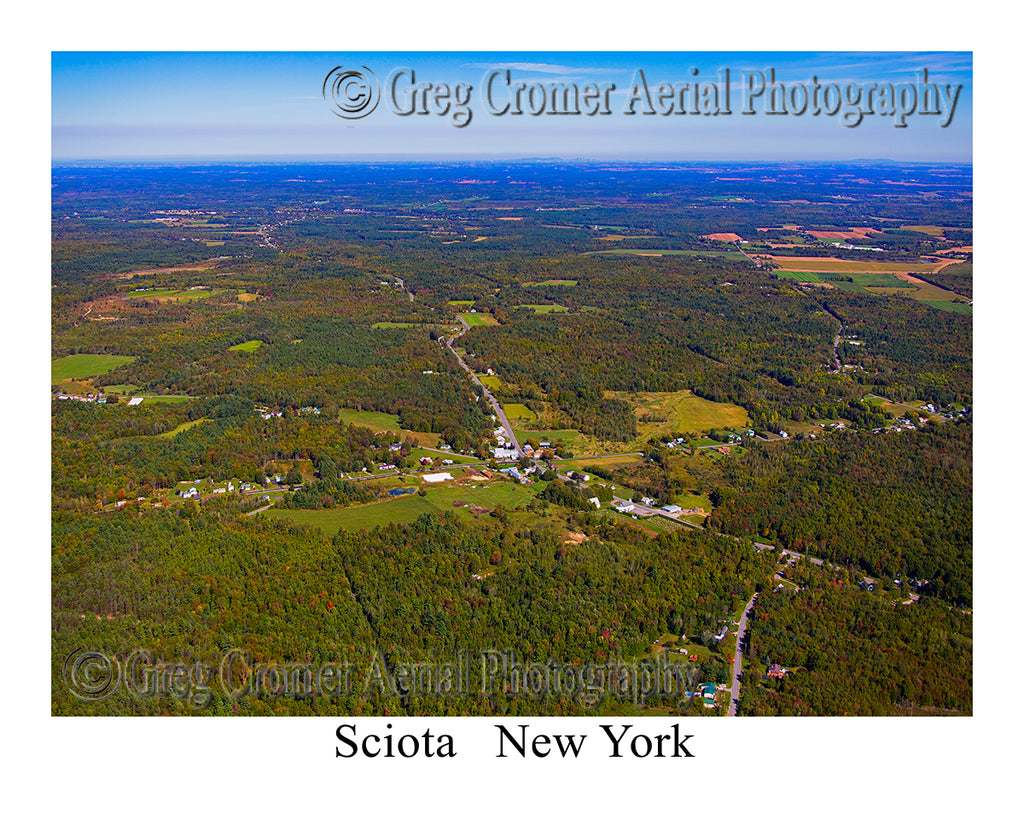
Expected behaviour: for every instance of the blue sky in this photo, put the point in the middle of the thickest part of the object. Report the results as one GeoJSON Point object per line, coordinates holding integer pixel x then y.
{"type": "Point", "coordinates": [201, 105]}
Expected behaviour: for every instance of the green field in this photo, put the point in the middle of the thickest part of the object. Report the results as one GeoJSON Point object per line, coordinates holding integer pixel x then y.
{"type": "Point", "coordinates": [949, 306]}
{"type": "Point", "coordinates": [880, 284]}
{"type": "Point", "coordinates": [800, 276]}
{"type": "Point", "coordinates": [691, 501]}
{"type": "Point", "coordinates": [120, 389]}
{"type": "Point", "coordinates": [552, 283]}
{"type": "Point", "coordinates": [461, 303]}
{"type": "Point", "coordinates": [173, 294]}
{"type": "Point", "coordinates": [518, 412]}
{"type": "Point", "coordinates": [407, 508]}
{"type": "Point", "coordinates": [684, 411]}
{"type": "Point", "coordinates": [478, 319]}
{"type": "Point", "coordinates": [85, 365]}
{"type": "Point", "coordinates": [155, 293]}
{"type": "Point", "coordinates": [394, 325]}
{"type": "Point", "coordinates": [848, 267]}
{"type": "Point", "coordinates": [181, 428]}
{"type": "Point", "coordinates": [492, 382]}
{"type": "Point", "coordinates": [547, 308]}
{"type": "Point", "coordinates": [377, 421]}
{"type": "Point", "coordinates": [247, 346]}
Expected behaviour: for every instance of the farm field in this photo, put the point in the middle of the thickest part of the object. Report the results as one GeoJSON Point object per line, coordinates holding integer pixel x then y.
{"type": "Point", "coordinates": [582, 462]}
{"type": "Point", "coordinates": [728, 254]}
{"type": "Point", "coordinates": [172, 294]}
{"type": "Point", "coordinates": [684, 411]}
{"type": "Point", "coordinates": [552, 283]}
{"type": "Point", "coordinates": [931, 230]}
{"type": "Point", "coordinates": [827, 265]}
{"type": "Point", "coordinates": [247, 346]}
{"type": "Point", "coordinates": [518, 412]}
{"type": "Point", "coordinates": [948, 306]}
{"type": "Point", "coordinates": [84, 365]}
{"type": "Point", "coordinates": [691, 501]}
{"type": "Point", "coordinates": [547, 308]}
{"type": "Point", "coordinates": [801, 276]}
{"type": "Point", "coordinates": [492, 382]}
{"type": "Point", "coordinates": [567, 437]}
{"type": "Point", "coordinates": [377, 421]}
{"type": "Point", "coordinates": [180, 428]}
{"type": "Point", "coordinates": [881, 284]}
{"type": "Point", "coordinates": [478, 319]}
{"type": "Point", "coordinates": [407, 508]}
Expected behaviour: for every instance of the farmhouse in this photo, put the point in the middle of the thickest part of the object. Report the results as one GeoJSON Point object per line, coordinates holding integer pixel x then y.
{"type": "Point", "coordinates": [623, 506]}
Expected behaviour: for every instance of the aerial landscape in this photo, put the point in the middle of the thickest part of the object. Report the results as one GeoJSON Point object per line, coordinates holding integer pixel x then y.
{"type": "Point", "coordinates": [498, 437]}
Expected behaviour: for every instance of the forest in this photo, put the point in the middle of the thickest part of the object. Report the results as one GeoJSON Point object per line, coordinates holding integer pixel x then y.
{"type": "Point", "coordinates": [287, 351]}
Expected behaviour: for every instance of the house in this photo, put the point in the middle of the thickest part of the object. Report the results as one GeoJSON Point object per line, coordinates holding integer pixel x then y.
{"type": "Point", "coordinates": [426, 462]}
{"type": "Point", "coordinates": [776, 671]}
{"type": "Point", "coordinates": [595, 501]}
{"type": "Point", "coordinates": [623, 506]}
{"type": "Point", "coordinates": [647, 501]}
{"type": "Point", "coordinates": [707, 691]}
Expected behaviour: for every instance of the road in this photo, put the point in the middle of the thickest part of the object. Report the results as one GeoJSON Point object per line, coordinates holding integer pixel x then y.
{"type": "Point", "coordinates": [737, 663]}
{"type": "Point", "coordinates": [401, 283]}
{"type": "Point", "coordinates": [498, 412]}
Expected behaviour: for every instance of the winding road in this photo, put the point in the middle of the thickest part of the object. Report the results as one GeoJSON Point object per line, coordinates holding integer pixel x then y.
{"type": "Point", "coordinates": [498, 412]}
